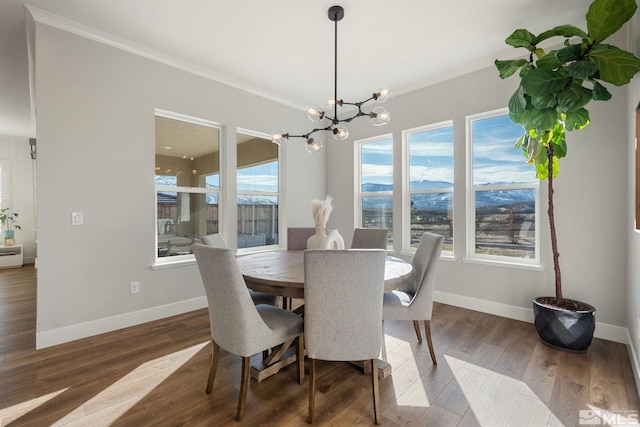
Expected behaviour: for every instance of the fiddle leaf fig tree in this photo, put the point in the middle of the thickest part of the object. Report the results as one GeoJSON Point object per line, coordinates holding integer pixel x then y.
{"type": "Point", "coordinates": [556, 86]}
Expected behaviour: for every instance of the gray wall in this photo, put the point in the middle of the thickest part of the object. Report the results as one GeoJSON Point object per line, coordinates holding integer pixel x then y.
{"type": "Point", "coordinates": [96, 155]}
{"type": "Point", "coordinates": [633, 255]}
{"type": "Point", "coordinates": [590, 191]}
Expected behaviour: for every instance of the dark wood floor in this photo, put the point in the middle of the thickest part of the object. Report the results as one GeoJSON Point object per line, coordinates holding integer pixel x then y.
{"type": "Point", "coordinates": [491, 371]}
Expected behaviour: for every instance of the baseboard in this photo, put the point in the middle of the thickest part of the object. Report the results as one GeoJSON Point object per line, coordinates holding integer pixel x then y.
{"type": "Point", "coordinates": [603, 330]}
{"type": "Point", "coordinates": [635, 363]}
{"type": "Point", "coordinates": [83, 330]}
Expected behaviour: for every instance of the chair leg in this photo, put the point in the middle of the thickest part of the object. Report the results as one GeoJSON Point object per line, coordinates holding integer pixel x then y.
{"type": "Point", "coordinates": [215, 356]}
{"type": "Point", "coordinates": [416, 326]}
{"type": "Point", "coordinates": [300, 357]}
{"type": "Point", "coordinates": [244, 384]}
{"type": "Point", "coordinates": [427, 332]}
{"type": "Point", "coordinates": [376, 390]}
{"type": "Point", "coordinates": [312, 389]}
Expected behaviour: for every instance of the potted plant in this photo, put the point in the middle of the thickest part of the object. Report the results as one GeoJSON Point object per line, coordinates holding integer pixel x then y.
{"type": "Point", "coordinates": [9, 223]}
{"type": "Point", "coordinates": [555, 87]}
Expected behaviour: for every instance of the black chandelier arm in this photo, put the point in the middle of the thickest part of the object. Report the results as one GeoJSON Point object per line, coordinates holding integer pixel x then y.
{"type": "Point", "coordinates": [358, 104]}
{"type": "Point", "coordinates": [308, 134]}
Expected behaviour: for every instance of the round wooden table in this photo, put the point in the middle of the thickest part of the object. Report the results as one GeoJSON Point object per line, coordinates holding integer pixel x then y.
{"type": "Point", "coordinates": [282, 272]}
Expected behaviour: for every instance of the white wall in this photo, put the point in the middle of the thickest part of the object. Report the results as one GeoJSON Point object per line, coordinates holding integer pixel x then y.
{"type": "Point", "coordinates": [590, 193]}
{"type": "Point", "coordinates": [633, 255]}
{"type": "Point", "coordinates": [95, 130]}
{"type": "Point", "coordinates": [21, 199]}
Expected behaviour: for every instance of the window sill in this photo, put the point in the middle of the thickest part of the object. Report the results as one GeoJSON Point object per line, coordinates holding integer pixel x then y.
{"type": "Point", "coordinates": [172, 264]}
{"type": "Point", "coordinates": [508, 264]}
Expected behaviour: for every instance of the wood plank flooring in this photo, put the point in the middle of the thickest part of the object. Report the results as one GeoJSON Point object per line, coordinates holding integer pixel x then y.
{"type": "Point", "coordinates": [491, 371]}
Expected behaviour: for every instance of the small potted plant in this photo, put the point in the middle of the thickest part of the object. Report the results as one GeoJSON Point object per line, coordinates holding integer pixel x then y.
{"type": "Point", "coordinates": [9, 223]}
{"type": "Point", "coordinates": [555, 87]}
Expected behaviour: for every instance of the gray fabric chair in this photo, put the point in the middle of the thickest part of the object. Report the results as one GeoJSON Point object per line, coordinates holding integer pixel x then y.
{"type": "Point", "coordinates": [237, 325]}
{"type": "Point", "coordinates": [297, 240]}
{"type": "Point", "coordinates": [297, 237]}
{"type": "Point", "coordinates": [343, 310]}
{"type": "Point", "coordinates": [217, 241]}
{"type": "Point", "coordinates": [413, 300]}
{"type": "Point", "coordinates": [369, 238]}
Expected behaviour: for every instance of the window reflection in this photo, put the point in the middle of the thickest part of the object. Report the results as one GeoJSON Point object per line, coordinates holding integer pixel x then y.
{"type": "Point", "coordinates": [187, 179]}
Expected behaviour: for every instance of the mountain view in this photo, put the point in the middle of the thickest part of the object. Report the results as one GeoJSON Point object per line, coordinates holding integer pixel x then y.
{"type": "Point", "coordinates": [440, 201]}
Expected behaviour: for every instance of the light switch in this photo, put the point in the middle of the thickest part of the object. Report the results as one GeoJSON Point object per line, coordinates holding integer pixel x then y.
{"type": "Point", "coordinates": [76, 218]}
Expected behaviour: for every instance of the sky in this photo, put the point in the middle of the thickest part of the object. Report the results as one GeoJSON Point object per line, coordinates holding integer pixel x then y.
{"type": "Point", "coordinates": [431, 155]}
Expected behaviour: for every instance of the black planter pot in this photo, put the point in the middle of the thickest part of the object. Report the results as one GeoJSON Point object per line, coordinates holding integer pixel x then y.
{"type": "Point", "coordinates": [564, 329]}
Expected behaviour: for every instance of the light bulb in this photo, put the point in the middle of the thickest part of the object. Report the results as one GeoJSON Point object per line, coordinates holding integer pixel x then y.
{"type": "Point", "coordinates": [340, 133]}
{"type": "Point", "coordinates": [279, 137]}
{"type": "Point", "coordinates": [381, 94]}
{"type": "Point", "coordinates": [314, 112]}
{"type": "Point", "coordinates": [313, 145]}
{"type": "Point", "coordinates": [379, 116]}
{"type": "Point", "coordinates": [331, 104]}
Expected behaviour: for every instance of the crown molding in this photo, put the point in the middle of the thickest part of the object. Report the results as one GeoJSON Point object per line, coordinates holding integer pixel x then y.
{"type": "Point", "coordinates": [61, 23]}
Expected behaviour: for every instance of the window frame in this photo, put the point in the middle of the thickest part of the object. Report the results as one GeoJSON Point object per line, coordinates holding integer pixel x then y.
{"type": "Point", "coordinates": [280, 193]}
{"type": "Point", "coordinates": [168, 261]}
{"type": "Point", "coordinates": [358, 220]}
{"type": "Point", "coordinates": [470, 211]}
{"type": "Point", "coordinates": [406, 179]}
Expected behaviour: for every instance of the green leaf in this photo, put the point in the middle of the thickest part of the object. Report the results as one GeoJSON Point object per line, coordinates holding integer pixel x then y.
{"type": "Point", "coordinates": [581, 69]}
{"type": "Point", "coordinates": [520, 141]}
{"type": "Point", "coordinates": [549, 61]}
{"type": "Point", "coordinates": [542, 82]}
{"type": "Point", "coordinates": [559, 142]}
{"type": "Point", "coordinates": [562, 30]}
{"type": "Point", "coordinates": [543, 102]}
{"type": "Point", "coordinates": [542, 170]}
{"type": "Point", "coordinates": [574, 97]}
{"type": "Point", "coordinates": [521, 38]}
{"type": "Point", "coordinates": [517, 103]}
{"type": "Point", "coordinates": [605, 17]}
{"type": "Point", "coordinates": [572, 52]}
{"type": "Point", "coordinates": [507, 68]}
{"type": "Point", "coordinates": [544, 119]}
{"type": "Point", "coordinates": [577, 120]}
{"type": "Point", "coordinates": [600, 93]}
{"type": "Point", "coordinates": [616, 66]}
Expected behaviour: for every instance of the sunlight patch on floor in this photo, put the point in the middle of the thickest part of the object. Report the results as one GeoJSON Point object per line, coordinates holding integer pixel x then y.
{"type": "Point", "coordinates": [18, 410]}
{"type": "Point", "coordinates": [496, 399]}
{"type": "Point", "coordinates": [115, 400]}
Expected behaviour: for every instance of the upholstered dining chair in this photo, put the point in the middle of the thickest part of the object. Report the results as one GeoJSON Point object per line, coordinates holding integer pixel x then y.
{"type": "Point", "coordinates": [413, 300]}
{"type": "Point", "coordinates": [369, 238]}
{"type": "Point", "coordinates": [343, 311]}
{"type": "Point", "coordinates": [217, 241]}
{"type": "Point", "coordinates": [297, 241]}
{"type": "Point", "coordinates": [237, 325]}
{"type": "Point", "coordinates": [297, 237]}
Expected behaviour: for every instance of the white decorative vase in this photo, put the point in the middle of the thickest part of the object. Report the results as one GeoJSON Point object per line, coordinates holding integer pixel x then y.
{"type": "Point", "coordinates": [317, 240]}
{"type": "Point", "coordinates": [334, 240]}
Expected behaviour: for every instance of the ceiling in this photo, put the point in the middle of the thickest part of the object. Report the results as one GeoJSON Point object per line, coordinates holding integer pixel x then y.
{"type": "Point", "coordinates": [283, 49]}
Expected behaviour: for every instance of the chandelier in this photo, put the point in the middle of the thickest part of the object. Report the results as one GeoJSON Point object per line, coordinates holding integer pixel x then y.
{"type": "Point", "coordinates": [378, 115]}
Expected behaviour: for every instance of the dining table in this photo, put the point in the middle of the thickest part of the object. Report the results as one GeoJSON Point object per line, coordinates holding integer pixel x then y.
{"type": "Point", "coordinates": [281, 272]}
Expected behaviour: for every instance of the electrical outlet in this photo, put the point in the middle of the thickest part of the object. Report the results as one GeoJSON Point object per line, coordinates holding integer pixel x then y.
{"type": "Point", "coordinates": [134, 288]}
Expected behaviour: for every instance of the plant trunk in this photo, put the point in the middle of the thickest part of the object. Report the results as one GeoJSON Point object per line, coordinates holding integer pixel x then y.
{"type": "Point", "coordinates": [552, 226]}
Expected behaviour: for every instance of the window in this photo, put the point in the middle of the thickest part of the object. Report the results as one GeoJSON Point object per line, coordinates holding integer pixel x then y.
{"type": "Point", "coordinates": [430, 183]}
{"type": "Point", "coordinates": [258, 191]}
{"type": "Point", "coordinates": [503, 193]}
{"type": "Point", "coordinates": [375, 188]}
{"type": "Point", "coordinates": [187, 180]}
